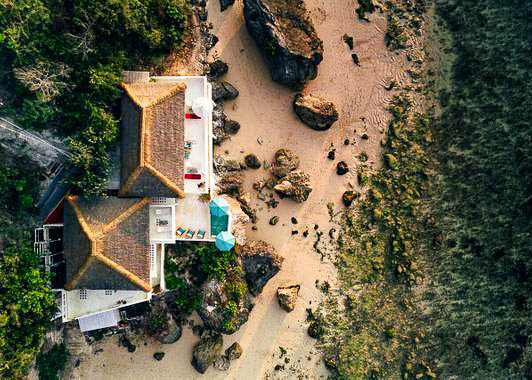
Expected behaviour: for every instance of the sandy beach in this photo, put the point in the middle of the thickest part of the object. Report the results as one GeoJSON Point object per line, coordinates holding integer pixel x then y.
{"type": "Point", "coordinates": [264, 109]}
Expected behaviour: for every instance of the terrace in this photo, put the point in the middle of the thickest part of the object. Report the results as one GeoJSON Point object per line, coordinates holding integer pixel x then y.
{"type": "Point", "coordinates": [198, 132]}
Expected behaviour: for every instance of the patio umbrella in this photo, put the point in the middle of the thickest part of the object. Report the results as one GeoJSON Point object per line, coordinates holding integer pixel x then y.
{"type": "Point", "coordinates": [202, 106]}
{"type": "Point", "coordinates": [219, 207]}
{"type": "Point", "coordinates": [225, 241]}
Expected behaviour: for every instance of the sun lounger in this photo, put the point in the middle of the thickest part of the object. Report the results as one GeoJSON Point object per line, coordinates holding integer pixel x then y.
{"type": "Point", "coordinates": [192, 176]}
{"type": "Point", "coordinates": [201, 234]}
{"type": "Point", "coordinates": [192, 116]}
{"type": "Point", "coordinates": [180, 231]}
{"type": "Point", "coordinates": [190, 234]}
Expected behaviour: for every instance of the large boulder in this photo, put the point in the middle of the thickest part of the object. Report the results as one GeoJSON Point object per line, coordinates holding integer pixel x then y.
{"type": "Point", "coordinates": [284, 162]}
{"type": "Point", "coordinates": [234, 351]}
{"type": "Point", "coordinates": [218, 69]}
{"type": "Point", "coordinates": [287, 297]}
{"type": "Point", "coordinates": [286, 36]}
{"type": "Point", "coordinates": [317, 113]}
{"type": "Point", "coordinates": [212, 307]}
{"type": "Point", "coordinates": [206, 351]}
{"type": "Point", "coordinates": [296, 186]}
{"type": "Point", "coordinates": [260, 263]}
{"type": "Point", "coordinates": [223, 91]}
{"type": "Point", "coordinates": [219, 119]}
{"type": "Point", "coordinates": [161, 324]}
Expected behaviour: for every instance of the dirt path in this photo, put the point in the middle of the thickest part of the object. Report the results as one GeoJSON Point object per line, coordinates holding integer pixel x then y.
{"type": "Point", "coordinates": [264, 110]}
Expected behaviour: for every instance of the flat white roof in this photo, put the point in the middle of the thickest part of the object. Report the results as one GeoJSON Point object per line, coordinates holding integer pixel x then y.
{"type": "Point", "coordinates": [99, 321]}
{"type": "Point", "coordinates": [86, 302]}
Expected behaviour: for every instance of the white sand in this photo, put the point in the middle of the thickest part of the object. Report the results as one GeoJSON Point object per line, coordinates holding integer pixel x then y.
{"type": "Point", "coordinates": [264, 110]}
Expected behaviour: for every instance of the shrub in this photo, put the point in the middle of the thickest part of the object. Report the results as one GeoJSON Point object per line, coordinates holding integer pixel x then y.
{"type": "Point", "coordinates": [51, 363]}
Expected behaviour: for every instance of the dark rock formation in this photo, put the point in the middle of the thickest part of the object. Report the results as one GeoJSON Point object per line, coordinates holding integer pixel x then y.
{"type": "Point", "coordinates": [223, 91]}
{"type": "Point", "coordinates": [234, 351]}
{"type": "Point", "coordinates": [218, 69]}
{"type": "Point", "coordinates": [252, 161]}
{"type": "Point", "coordinates": [286, 36]}
{"type": "Point", "coordinates": [231, 126]}
{"type": "Point", "coordinates": [274, 220]}
{"type": "Point", "coordinates": [296, 186]}
{"type": "Point", "coordinates": [284, 162]}
{"type": "Point", "coordinates": [212, 308]}
{"type": "Point", "coordinates": [317, 113]}
{"type": "Point", "coordinates": [221, 363]}
{"type": "Point", "coordinates": [341, 168]}
{"type": "Point", "coordinates": [206, 352]}
{"type": "Point", "coordinates": [158, 356]}
{"type": "Point", "coordinates": [287, 297]}
{"type": "Point", "coordinates": [211, 40]}
{"type": "Point", "coordinates": [124, 341]}
{"type": "Point", "coordinates": [260, 263]}
{"type": "Point", "coordinates": [224, 4]}
{"type": "Point", "coordinates": [315, 329]}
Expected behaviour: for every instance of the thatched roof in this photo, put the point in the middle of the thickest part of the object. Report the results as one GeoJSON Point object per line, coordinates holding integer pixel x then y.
{"type": "Point", "coordinates": [152, 139]}
{"type": "Point", "coordinates": [106, 243]}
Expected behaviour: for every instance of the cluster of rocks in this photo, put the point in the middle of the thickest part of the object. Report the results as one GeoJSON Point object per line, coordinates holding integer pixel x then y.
{"type": "Point", "coordinates": [208, 352]}
{"type": "Point", "coordinates": [291, 182]}
{"type": "Point", "coordinates": [259, 263]}
{"type": "Point", "coordinates": [287, 297]}
{"type": "Point", "coordinates": [223, 127]}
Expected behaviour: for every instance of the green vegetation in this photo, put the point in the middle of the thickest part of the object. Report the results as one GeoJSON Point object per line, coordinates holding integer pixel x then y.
{"type": "Point", "coordinates": [16, 190]}
{"type": "Point", "coordinates": [51, 363]}
{"type": "Point", "coordinates": [62, 61]}
{"type": "Point", "coordinates": [26, 308]}
{"type": "Point", "coordinates": [435, 266]}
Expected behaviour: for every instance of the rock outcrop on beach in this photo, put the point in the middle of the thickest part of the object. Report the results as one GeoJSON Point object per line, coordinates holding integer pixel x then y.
{"type": "Point", "coordinates": [219, 119]}
{"type": "Point", "coordinates": [223, 91]}
{"type": "Point", "coordinates": [260, 264]}
{"type": "Point", "coordinates": [286, 36]}
{"type": "Point", "coordinates": [217, 69]}
{"type": "Point", "coordinates": [234, 351]}
{"type": "Point", "coordinates": [296, 186]}
{"type": "Point", "coordinates": [224, 4]}
{"type": "Point", "coordinates": [284, 161]}
{"type": "Point", "coordinates": [212, 308]}
{"type": "Point", "coordinates": [168, 330]}
{"type": "Point", "coordinates": [287, 297]}
{"type": "Point", "coordinates": [230, 183]}
{"type": "Point", "coordinates": [206, 351]}
{"type": "Point", "coordinates": [317, 113]}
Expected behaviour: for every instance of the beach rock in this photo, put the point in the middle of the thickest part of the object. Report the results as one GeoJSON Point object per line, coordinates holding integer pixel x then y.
{"type": "Point", "coordinates": [251, 212]}
{"type": "Point", "coordinates": [124, 341]}
{"type": "Point", "coordinates": [348, 40]}
{"type": "Point", "coordinates": [221, 363]}
{"type": "Point", "coordinates": [239, 220]}
{"type": "Point", "coordinates": [224, 4]}
{"type": "Point", "coordinates": [252, 161]}
{"type": "Point", "coordinates": [231, 183]}
{"type": "Point", "coordinates": [245, 199]}
{"type": "Point", "coordinates": [348, 197]}
{"type": "Point", "coordinates": [296, 186]}
{"type": "Point", "coordinates": [234, 351]}
{"type": "Point", "coordinates": [293, 220]}
{"type": "Point", "coordinates": [218, 69]}
{"type": "Point", "coordinates": [286, 36]}
{"type": "Point", "coordinates": [260, 264]}
{"type": "Point", "coordinates": [317, 113]}
{"type": "Point", "coordinates": [212, 307]}
{"type": "Point", "coordinates": [223, 165]}
{"type": "Point", "coordinates": [231, 126]}
{"type": "Point", "coordinates": [356, 61]}
{"type": "Point", "coordinates": [274, 220]}
{"type": "Point", "coordinates": [332, 154]}
{"type": "Point", "coordinates": [284, 162]}
{"type": "Point", "coordinates": [287, 297]}
{"type": "Point", "coordinates": [206, 352]}
{"type": "Point", "coordinates": [341, 168]}
{"type": "Point", "coordinates": [158, 356]}
{"type": "Point", "coordinates": [223, 91]}
{"type": "Point", "coordinates": [211, 40]}
{"type": "Point", "coordinates": [219, 118]}
{"type": "Point", "coordinates": [171, 333]}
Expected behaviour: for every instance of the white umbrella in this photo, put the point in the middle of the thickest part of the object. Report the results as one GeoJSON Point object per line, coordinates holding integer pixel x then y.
{"type": "Point", "coordinates": [202, 106]}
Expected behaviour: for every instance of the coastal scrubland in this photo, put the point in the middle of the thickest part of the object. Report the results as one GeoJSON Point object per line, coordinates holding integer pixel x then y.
{"type": "Point", "coordinates": [61, 63]}
{"type": "Point", "coordinates": [434, 262]}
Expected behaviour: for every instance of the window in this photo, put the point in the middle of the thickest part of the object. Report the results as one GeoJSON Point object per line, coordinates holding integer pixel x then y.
{"type": "Point", "coordinates": [153, 265]}
{"type": "Point", "coordinates": [108, 292]}
{"type": "Point", "coordinates": [83, 294]}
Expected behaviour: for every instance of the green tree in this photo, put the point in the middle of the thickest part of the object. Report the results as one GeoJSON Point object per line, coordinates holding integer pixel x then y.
{"type": "Point", "coordinates": [26, 308]}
